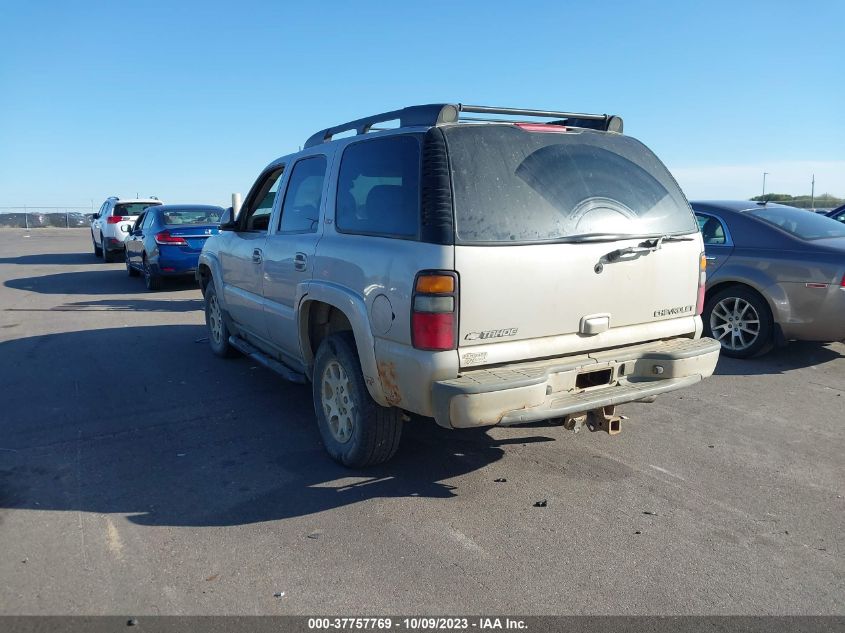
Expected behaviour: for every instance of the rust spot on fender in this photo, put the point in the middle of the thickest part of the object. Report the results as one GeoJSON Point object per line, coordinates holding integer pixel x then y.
{"type": "Point", "coordinates": [387, 375]}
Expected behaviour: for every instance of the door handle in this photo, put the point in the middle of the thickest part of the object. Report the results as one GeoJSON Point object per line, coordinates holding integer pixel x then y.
{"type": "Point", "coordinates": [300, 262]}
{"type": "Point", "coordinates": [256, 256]}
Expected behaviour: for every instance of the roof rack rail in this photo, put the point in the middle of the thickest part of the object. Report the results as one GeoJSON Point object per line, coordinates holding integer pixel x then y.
{"type": "Point", "coordinates": [440, 113]}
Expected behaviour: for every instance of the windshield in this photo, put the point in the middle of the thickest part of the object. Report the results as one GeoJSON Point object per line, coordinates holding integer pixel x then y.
{"type": "Point", "coordinates": [801, 223]}
{"type": "Point", "coordinates": [132, 208]}
{"type": "Point", "coordinates": [193, 216]}
{"type": "Point", "coordinates": [516, 186]}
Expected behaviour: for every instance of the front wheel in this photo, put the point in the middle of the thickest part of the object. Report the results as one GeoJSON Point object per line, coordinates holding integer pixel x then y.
{"type": "Point", "coordinates": [98, 250]}
{"type": "Point", "coordinates": [218, 332]}
{"type": "Point", "coordinates": [356, 430]}
{"type": "Point", "coordinates": [129, 269]}
{"type": "Point", "coordinates": [740, 320]}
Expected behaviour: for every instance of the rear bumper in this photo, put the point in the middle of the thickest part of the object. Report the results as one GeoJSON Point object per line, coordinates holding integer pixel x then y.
{"type": "Point", "coordinates": [172, 260]}
{"type": "Point", "coordinates": [527, 392]}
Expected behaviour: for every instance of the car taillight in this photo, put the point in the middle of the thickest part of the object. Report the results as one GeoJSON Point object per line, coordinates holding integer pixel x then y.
{"type": "Point", "coordinates": [116, 219]}
{"type": "Point", "coordinates": [702, 279]}
{"type": "Point", "coordinates": [434, 310]}
{"type": "Point", "coordinates": [842, 283]}
{"type": "Point", "coordinates": [166, 238]}
{"type": "Point", "coordinates": [541, 127]}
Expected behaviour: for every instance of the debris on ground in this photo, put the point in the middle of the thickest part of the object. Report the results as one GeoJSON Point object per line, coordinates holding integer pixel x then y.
{"type": "Point", "coordinates": [500, 480]}
{"type": "Point", "coordinates": [212, 578]}
{"type": "Point", "coordinates": [542, 503]}
{"type": "Point", "coordinates": [132, 622]}
{"type": "Point", "coordinates": [279, 594]}
{"type": "Point", "coordinates": [650, 513]}
{"type": "Point", "coordinates": [637, 532]}
{"type": "Point", "coordinates": [315, 534]}
{"type": "Point", "coordinates": [202, 339]}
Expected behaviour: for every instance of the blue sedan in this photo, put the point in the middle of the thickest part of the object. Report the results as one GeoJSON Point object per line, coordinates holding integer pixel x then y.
{"type": "Point", "coordinates": [166, 241]}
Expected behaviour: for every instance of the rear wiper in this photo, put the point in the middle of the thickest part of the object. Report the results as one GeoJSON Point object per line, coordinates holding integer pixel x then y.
{"type": "Point", "coordinates": [648, 246]}
{"type": "Point", "coordinates": [612, 237]}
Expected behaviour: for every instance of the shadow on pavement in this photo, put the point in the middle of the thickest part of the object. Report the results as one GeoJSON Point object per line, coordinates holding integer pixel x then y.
{"type": "Point", "coordinates": [108, 281]}
{"type": "Point", "coordinates": [121, 305]}
{"type": "Point", "coordinates": [795, 355]}
{"type": "Point", "coordinates": [183, 438]}
{"type": "Point", "coordinates": [55, 259]}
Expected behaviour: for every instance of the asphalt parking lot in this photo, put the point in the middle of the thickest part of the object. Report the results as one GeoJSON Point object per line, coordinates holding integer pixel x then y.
{"type": "Point", "coordinates": [139, 475]}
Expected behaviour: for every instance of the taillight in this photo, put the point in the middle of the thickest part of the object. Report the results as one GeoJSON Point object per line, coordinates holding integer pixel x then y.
{"type": "Point", "coordinates": [116, 219]}
{"type": "Point", "coordinates": [842, 283]}
{"type": "Point", "coordinates": [702, 279]}
{"type": "Point", "coordinates": [541, 127]}
{"type": "Point", "coordinates": [434, 311]}
{"type": "Point", "coordinates": [166, 238]}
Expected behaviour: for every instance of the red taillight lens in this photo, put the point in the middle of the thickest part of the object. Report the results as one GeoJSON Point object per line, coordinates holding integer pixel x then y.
{"type": "Point", "coordinates": [842, 283]}
{"type": "Point", "coordinates": [433, 330]}
{"type": "Point", "coordinates": [166, 238]}
{"type": "Point", "coordinates": [434, 305]}
{"type": "Point", "coordinates": [116, 219]}
{"type": "Point", "coordinates": [702, 281]}
{"type": "Point", "coordinates": [541, 127]}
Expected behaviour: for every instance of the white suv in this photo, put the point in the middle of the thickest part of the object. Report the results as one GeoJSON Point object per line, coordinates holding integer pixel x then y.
{"type": "Point", "coordinates": [112, 224]}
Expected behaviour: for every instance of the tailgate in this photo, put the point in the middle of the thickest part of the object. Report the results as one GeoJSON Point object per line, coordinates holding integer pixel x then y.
{"type": "Point", "coordinates": [565, 298]}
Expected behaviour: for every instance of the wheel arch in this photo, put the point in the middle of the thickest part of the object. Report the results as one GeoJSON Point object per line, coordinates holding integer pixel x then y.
{"type": "Point", "coordinates": [326, 309]}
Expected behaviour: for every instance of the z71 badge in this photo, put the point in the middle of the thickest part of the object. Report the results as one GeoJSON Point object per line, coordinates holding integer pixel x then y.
{"type": "Point", "coordinates": [475, 336]}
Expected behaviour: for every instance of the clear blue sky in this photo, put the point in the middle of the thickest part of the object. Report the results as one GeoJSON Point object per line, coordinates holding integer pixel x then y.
{"type": "Point", "coordinates": [189, 100]}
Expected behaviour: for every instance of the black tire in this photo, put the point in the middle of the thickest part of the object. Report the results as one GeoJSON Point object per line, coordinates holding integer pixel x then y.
{"type": "Point", "coordinates": [133, 272]}
{"type": "Point", "coordinates": [737, 341]}
{"type": "Point", "coordinates": [98, 251]}
{"type": "Point", "coordinates": [108, 256]}
{"type": "Point", "coordinates": [375, 430]}
{"type": "Point", "coordinates": [218, 332]}
{"type": "Point", "coordinates": [151, 280]}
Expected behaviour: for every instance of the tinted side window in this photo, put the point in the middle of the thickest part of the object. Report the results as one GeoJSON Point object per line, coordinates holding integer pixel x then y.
{"type": "Point", "coordinates": [301, 208]}
{"type": "Point", "coordinates": [378, 188]}
{"type": "Point", "coordinates": [712, 230]}
{"type": "Point", "coordinates": [257, 216]}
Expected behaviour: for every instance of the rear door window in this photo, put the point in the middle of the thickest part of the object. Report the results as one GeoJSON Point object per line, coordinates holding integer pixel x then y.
{"type": "Point", "coordinates": [712, 230]}
{"type": "Point", "coordinates": [516, 186]}
{"type": "Point", "coordinates": [378, 189]}
{"type": "Point", "coordinates": [301, 208]}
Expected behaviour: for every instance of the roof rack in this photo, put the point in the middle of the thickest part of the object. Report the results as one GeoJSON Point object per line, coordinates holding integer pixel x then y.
{"type": "Point", "coordinates": [440, 113]}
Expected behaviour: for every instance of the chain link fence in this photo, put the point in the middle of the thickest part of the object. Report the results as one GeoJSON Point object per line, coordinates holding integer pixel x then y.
{"type": "Point", "coordinates": [42, 217]}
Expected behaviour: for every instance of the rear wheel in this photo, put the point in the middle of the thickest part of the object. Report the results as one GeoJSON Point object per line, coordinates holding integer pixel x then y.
{"type": "Point", "coordinates": [356, 430]}
{"type": "Point", "coordinates": [218, 332]}
{"type": "Point", "coordinates": [151, 280]}
{"type": "Point", "coordinates": [107, 256]}
{"type": "Point", "coordinates": [132, 271]}
{"type": "Point", "coordinates": [739, 318]}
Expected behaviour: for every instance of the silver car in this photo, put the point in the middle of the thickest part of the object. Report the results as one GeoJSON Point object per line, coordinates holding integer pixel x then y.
{"type": "Point", "coordinates": [774, 274]}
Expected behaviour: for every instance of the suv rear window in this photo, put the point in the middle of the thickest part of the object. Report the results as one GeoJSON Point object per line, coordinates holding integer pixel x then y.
{"type": "Point", "coordinates": [511, 185]}
{"type": "Point", "coordinates": [801, 223]}
{"type": "Point", "coordinates": [378, 187]}
{"type": "Point", "coordinates": [132, 208]}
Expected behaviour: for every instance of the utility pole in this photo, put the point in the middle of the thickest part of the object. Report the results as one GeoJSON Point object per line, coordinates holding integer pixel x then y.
{"type": "Point", "coordinates": [765, 173]}
{"type": "Point", "coordinates": [813, 193]}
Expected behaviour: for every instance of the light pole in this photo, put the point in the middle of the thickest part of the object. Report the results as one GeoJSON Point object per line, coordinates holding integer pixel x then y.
{"type": "Point", "coordinates": [813, 193]}
{"type": "Point", "coordinates": [765, 173]}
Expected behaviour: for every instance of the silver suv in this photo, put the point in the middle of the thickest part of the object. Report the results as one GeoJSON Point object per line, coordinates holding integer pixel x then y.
{"type": "Point", "coordinates": [499, 268]}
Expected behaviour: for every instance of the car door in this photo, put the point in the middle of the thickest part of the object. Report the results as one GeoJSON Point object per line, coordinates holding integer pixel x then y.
{"type": "Point", "coordinates": [289, 252]}
{"type": "Point", "coordinates": [96, 222]}
{"type": "Point", "coordinates": [718, 244]}
{"type": "Point", "coordinates": [242, 255]}
{"type": "Point", "coordinates": [133, 243]}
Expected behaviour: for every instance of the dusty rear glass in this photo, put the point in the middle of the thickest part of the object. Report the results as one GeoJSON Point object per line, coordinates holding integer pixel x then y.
{"type": "Point", "coordinates": [192, 216]}
{"type": "Point", "coordinates": [801, 223]}
{"type": "Point", "coordinates": [132, 208]}
{"type": "Point", "coordinates": [511, 185]}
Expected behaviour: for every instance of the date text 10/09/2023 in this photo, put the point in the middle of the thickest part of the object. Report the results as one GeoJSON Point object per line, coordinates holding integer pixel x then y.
{"type": "Point", "coordinates": [417, 624]}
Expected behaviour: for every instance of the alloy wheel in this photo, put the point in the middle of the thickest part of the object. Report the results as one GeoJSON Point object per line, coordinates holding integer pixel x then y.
{"type": "Point", "coordinates": [338, 402]}
{"type": "Point", "coordinates": [735, 323]}
{"type": "Point", "coordinates": [215, 320]}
